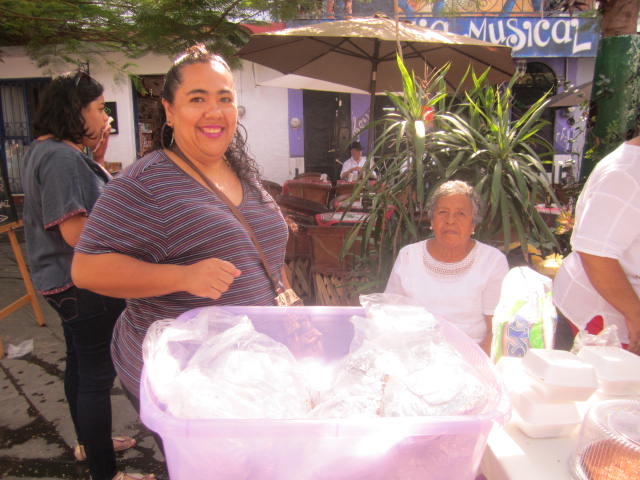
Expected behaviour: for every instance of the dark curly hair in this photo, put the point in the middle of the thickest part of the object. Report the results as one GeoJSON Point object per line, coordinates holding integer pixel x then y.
{"type": "Point", "coordinates": [60, 109]}
{"type": "Point", "coordinates": [242, 164]}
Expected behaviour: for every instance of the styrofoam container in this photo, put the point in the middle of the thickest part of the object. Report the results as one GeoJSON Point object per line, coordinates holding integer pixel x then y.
{"type": "Point", "coordinates": [560, 375]}
{"type": "Point", "coordinates": [536, 411]}
{"type": "Point", "coordinates": [543, 429]}
{"type": "Point", "coordinates": [617, 370]}
{"type": "Point", "coordinates": [407, 448]}
{"type": "Point", "coordinates": [540, 419]}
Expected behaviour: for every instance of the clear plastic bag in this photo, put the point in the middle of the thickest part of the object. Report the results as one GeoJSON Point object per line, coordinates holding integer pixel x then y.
{"type": "Point", "coordinates": [401, 365]}
{"type": "Point", "coordinates": [608, 337]}
{"type": "Point", "coordinates": [525, 316]}
{"type": "Point", "coordinates": [236, 371]}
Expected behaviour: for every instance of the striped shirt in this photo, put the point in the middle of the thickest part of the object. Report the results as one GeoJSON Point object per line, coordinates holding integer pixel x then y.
{"type": "Point", "coordinates": [155, 212]}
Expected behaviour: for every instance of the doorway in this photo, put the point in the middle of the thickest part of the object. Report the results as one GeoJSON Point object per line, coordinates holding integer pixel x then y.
{"type": "Point", "coordinates": [147, 104]}
{"type": "Point", "coordinates": [19, 100]}
{"type": "Point", "coordinates": [327, 131]}
{"type": "Point", "coordinates": [538, 80]}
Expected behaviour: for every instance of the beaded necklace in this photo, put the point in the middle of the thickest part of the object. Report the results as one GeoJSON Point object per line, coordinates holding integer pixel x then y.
{"type": "Point", "coordinates": [448, 269]}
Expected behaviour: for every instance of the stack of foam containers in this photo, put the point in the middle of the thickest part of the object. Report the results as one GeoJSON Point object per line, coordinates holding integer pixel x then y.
{"type": "Point", "coordinates": [544, 386]}
{"type": "Point", "coordinates": [617, 370]}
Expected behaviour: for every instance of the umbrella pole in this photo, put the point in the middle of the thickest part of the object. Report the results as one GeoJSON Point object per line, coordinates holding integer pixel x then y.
{"type": "Point", "coordinates": [372, 130]}
{"type": "Point", "coordinates": [372, 96]}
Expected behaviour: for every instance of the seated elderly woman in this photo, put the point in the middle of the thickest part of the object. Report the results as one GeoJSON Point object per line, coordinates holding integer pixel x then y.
{"type": "Point", "coordinates": [454, 276]}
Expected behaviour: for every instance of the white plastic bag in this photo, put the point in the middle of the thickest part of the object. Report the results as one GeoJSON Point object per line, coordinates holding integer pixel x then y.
{"type": "Point", "coordinates": [525, 316]}
{"type": "Point", "coordinates": [216, 365]}
{"type": "Point", "coordinates": [401, 365]}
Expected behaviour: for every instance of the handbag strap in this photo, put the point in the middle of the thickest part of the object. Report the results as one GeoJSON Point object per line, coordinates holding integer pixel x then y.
{"type": "Point", "coordinates": [277, 284]}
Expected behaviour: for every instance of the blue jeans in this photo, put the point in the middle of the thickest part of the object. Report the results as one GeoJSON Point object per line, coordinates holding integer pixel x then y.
{"type": "Point", "coordinates": [87, 321]}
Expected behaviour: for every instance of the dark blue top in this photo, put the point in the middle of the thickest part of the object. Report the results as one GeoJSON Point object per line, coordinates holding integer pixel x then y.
{"type": "Point", "coordinates": [59, 182]}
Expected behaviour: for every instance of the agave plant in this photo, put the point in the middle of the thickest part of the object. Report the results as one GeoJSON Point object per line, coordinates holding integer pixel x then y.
{"type": "Point", "coordinates": [496, 153]}
{"type": "Point", "coordinates": [397, 201]}
{"type": "Point", "coordinates": [432, 137]}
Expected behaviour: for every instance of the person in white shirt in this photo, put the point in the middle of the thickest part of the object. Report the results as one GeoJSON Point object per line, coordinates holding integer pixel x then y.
{"type": "Point", "coordinates": [352, 167]}
{"type": "Point", "coordinates": [454, 276]}
{"type": "Point", "coordinates": [598, 284]}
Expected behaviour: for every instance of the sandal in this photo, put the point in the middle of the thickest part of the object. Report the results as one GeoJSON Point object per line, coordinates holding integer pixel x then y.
{"type": "Point", "coordinates": [134, 476]}
{"type": "Point", "coordinates": [119, 444]}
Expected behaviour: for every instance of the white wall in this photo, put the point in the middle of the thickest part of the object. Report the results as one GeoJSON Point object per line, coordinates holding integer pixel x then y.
{"type": "Point", "coordinates": [265, 119]}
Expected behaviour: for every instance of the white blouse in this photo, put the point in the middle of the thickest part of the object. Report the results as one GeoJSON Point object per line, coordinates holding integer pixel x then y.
{"type": "Point", "coordinates": [463, 296]}
{"type": "Point", "coordinates": [607, 224]}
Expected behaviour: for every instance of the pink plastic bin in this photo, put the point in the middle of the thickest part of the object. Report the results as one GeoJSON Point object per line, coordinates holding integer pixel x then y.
{"type": "Point", "coordinates": [402, 448]}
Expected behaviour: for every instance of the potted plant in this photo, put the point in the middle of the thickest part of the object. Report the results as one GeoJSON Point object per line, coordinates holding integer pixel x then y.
{"type": "Point", "coordinates": [432, 137]}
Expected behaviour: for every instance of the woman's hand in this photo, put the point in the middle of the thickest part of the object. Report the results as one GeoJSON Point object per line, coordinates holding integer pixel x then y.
{"type": "Point", "coordinates": [122, 276]}
{"type": "Point", "coordinates": [633, 324]}
{"type": "Point", "coordinates": [209, 278]}
{"type": "Point", "coordinates": [485, 345]}
{"type": "Point", "coordinates": [100, 149]}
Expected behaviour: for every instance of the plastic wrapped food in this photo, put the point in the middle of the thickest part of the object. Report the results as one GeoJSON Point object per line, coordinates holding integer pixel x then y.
{"type": "Point", "coordinates": [401, 365]}
{"type": "Point", "coordinates": [237, 372]}
{"type": "Point", "coordinates": [338, 448]}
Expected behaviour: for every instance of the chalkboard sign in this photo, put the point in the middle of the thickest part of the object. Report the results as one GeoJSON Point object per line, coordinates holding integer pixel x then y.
{"type": "Point", "coordinates": [8, 213]}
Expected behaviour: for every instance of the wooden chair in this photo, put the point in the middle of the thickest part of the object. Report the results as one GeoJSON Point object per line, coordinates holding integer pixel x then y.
{"type": "Point", "coordinates": [316, 192]}
{"type": "Point", "coordinates": [274, 189]}
{"type": "Point", "coordinates": [300, 210]}
{"type": "Point", "coordinates": [343, 191]}
{"type": "Point", "coordinates": [334, 280]}
{"type": "Point", "coordinates": [298, 262]}
{"type": "Point", "coordinates": [308, 175]}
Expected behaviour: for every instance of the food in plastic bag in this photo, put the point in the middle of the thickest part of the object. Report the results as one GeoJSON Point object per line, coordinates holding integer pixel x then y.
{"type": "Point", "coordinates": [608, 337]}
{"type": "Point", "coordinates": [237, 372]}
{"type": "Point", "coordinates": [401, 365]}
{"type": "Point", "coordinates": [525, 316]}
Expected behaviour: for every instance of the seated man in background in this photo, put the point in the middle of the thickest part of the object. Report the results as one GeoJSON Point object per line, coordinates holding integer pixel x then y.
{"type": "Point", "coordinates": [352, 167]}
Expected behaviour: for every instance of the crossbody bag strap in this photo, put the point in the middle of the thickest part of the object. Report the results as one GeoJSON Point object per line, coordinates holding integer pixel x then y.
{"type": "Point", "coordinates": [277, 284]}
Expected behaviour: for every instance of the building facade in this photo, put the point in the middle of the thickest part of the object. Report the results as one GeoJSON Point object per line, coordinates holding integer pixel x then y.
{"type": "Point", "coordinates": [555, 50]}
{"type": "Point", "coordinates": [292, 130]}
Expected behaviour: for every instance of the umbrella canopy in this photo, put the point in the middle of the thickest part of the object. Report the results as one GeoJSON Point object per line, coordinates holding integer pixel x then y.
{"type": "Point", "coordinates": [272, 78]}
{"type": "Point", "coordinates": [573, 96]}
{"type": "Point", "coordinates": [361, 53]}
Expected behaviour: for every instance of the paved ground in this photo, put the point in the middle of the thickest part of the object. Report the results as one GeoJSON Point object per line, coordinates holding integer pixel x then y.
{"type": "Point", "coordinates": [36, 434]}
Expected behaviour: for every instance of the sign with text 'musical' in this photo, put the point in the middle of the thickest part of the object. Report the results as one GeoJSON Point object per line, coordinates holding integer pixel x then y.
{"type": "Point", "coordinates": [527, 36]}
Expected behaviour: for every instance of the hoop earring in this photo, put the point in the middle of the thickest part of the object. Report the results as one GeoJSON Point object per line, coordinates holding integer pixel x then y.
{"type": "Point", "coordinates": [162, 130]}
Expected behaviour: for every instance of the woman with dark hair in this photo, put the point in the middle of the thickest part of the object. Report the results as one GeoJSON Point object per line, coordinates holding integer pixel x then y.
{"type": "Point", "coordinates": [167, 233]}
{"type": "Point", "coordinates": [61, 185]}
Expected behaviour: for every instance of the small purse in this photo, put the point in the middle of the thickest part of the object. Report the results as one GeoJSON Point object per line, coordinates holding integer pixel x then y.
{"type": "Point", "coordinates": [288, 298]}
{"type": "Point", "coordinates": [285, 297]}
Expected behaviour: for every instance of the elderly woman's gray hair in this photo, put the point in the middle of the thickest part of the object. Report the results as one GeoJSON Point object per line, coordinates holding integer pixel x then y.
{"type": "Point", "coordinates": [456, 187]}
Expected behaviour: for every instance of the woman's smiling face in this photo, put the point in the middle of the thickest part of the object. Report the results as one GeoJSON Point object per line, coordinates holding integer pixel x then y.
{"type": "Point", "coordinates": [203, 114]}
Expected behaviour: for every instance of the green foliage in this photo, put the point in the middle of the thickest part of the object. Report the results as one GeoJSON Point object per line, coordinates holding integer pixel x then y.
{"type": "Point", "coordinates": [432, 137]}
{"type": "Point", "coordinates": [496, 154]}
{"type": "Point", "coordinates": [74, 31]}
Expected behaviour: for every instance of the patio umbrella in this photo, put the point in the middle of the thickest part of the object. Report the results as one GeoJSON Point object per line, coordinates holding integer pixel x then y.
{"type": "Point", "coordinates": [272, 78]}
{"type": "Point", "coordinates": [361, 53]}
{"type": "Point", "coordinates": [573, 96]}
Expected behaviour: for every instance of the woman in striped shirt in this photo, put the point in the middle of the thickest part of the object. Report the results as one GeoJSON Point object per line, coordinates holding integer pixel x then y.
{"type": "Point", "coordinates": [162, 238]}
